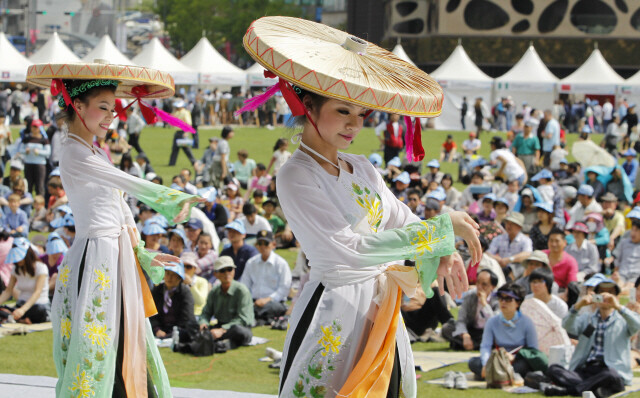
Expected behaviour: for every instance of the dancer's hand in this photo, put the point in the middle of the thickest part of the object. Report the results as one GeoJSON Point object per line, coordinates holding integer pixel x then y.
{"type": "Point", "coordinates": [452, 270]}
{"type": "Point", "coordinates": [186, 206]}
{"type": "Point", "coordinates": [162, 260]}
{"type": "Point", "coordinates": [467, 229]}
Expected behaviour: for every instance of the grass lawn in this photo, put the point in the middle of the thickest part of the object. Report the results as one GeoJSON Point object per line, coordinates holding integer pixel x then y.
{"type": "Point", "coordinates": [31, 354]}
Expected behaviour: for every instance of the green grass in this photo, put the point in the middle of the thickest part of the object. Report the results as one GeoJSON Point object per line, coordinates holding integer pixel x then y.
{"type": "Point", "coordinates": [31, 354]}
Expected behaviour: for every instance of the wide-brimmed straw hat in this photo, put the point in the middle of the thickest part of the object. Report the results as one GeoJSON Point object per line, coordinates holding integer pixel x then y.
{"type": "Point", "coordinates": [335, 64]}
{"type": "Point", "coordinates": [155, 83]}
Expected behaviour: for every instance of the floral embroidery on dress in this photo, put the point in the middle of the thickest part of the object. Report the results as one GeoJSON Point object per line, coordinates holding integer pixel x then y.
{"type": "Point", "coordinates": [103, 280]}
{"type": "Point", "coordinates": [81, 386]}
{"type": "Point", "coordinates": [425, 240]}
{"type": "Point", "coordinates": [310, 381]}
{"type": "Point", "coordinates": [63, 275]}
{"type": "Point", "coordinates": [371, 202]}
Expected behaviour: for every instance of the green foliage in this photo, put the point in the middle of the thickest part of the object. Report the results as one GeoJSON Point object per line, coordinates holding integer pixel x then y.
{"type": "Point", "coordinates": [221, 20]}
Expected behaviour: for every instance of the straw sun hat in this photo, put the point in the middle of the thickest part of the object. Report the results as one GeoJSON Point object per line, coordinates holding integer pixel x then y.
{"type": "Point", "coordinates": [326, 61]}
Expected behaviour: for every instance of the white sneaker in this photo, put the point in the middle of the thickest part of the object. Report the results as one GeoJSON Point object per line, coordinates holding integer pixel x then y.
{"type": "Point", "coordinates": [273, 353]}
{"type": "Point", "coordinates": [449, 380]}
{"type": "Point", "coordinates": [460, 381]}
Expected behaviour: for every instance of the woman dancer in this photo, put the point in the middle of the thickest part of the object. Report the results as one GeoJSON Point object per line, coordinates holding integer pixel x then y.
{"type": "Point", "coordinates": [346, 337]}
{"type": "Point", "coordinates": [103, 345]}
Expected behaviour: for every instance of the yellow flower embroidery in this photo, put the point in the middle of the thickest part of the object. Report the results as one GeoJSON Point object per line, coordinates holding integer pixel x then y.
{"type": "Point", "coordinates": [329, 341]}
{"type": "Point", "coordinates": [424, 240]}
{"type": "Point", "coordinates": [370, 201]}
{"type": "Point", "coordinates": [97, 333]}
{"type": "Point", "coordinates": [103, 280]}
{"type": "Point", "coordinates": [82, 384]}
{"type": "Point", "coordinates": [65, 328]}
{"type": "Point", "coordinates": [64, 275]}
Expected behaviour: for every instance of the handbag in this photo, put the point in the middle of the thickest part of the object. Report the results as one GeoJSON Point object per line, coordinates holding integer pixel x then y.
{"type": "Point", "coordinates": [201, 345]}
{"type": "Point", "coordinates": [535, 358]}
{"type": "Point", "coordinates": [499, 372]}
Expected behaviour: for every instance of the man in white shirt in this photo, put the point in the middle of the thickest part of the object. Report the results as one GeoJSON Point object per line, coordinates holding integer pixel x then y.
{"type": "Point", "coordinates": [253, 222]}
{"type": "Point", "coordinates": [607, 114]}
{"type": "Point", "coordinates": [268, 277]}
{"type": "Point", "coordinates": [472, 145]}
{"type": "Point", "coordinates": [586, 204]}
{"type": "Point", "coordinates": [508, 165]}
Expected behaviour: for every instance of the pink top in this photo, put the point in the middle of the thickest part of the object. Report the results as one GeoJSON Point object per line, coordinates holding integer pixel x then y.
{"type": "Point", "coordinates": [566, 270]}
{"type": "Point", "coordinates": [5, 269]}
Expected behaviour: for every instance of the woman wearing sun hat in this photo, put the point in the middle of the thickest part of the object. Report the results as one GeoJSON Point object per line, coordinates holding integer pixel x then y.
{"type": "Point", "coordinates": [103, 344]}
{"type": "Point", "coordinates": [346, 336]}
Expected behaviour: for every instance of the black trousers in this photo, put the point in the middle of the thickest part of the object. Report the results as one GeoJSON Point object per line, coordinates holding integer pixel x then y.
{"type": "Point", "coordinates": [587, 377]}
{"type": "Point", "coordinates": [269, 311]}
{"type": "Point", "coordinates": [433, 311]}
{"type": "Point", "coordinates": [238, 335]}
{"type": "Point", "coordinates": [520, 366]}
{"type": "Point", "coordinates": [35, 175]}
{"type": "Point", "coordinates": [175, 149]}
{"type": "Point", "coordinates": [456, 341]}
{"type": "Point", "coordinates": [134, 141]}
{"type": "Point", "coordinates": [390, 153]}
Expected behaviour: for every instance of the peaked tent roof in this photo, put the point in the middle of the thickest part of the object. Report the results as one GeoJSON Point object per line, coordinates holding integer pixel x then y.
{"type": "Point", "coordinates": [213, 67]}
{"type": "Point", "coordinates": [459, 67]}
{"type": "Point", "coordinates": [255, 76]}
{"type": "Point", "coordinates": [155, 56]}
{"type": "Point", "coordinates": [399, 51]}
{"type": "Point", "coordinates": [108, 51]}
{"type": "Point", "coordinates": [54, 51]}
{"type": "Point", "coordinates": [529, 68]}
{"type": "Point", "coordinates": [583, 78]}
{"type": "Point", "coordinates": [13, 65]}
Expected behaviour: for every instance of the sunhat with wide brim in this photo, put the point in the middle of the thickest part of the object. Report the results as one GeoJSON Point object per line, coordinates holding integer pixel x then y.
{"type": "Point", "coordinates": [55, 244]}
{"type": "Point", "coordinates": [156, 83]}
{"type": "Point", "coordinates": [310, 56]}
{"type": "Point", "coordinates": [18, 251]}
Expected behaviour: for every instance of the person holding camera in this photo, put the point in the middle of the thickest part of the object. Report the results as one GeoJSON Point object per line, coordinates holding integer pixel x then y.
{"type": "Point", "coordinates": [601, 360]}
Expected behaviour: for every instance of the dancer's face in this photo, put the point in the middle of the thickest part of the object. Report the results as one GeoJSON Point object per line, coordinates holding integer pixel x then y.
{"type": "Point", "coordinates": [97, 112]}
{"type": "Point", "coordinates": [339, 122]}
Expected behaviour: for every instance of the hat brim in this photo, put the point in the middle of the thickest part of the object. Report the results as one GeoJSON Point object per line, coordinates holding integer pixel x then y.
{"type": "Point", "coordinates": [158, 84]}
{"type": "Point", "coordinates": [315, 57]}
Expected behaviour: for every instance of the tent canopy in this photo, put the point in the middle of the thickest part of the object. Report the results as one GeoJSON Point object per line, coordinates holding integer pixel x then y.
{"type": "Point", "coordinates": [155, 56]}
{"type": "Point", "coordinates": [214, 69]}
{"type": "Point", "coordinates": [460, 77]}
{"type": "Point", "coordinates": [108, 51]}
{"type": "Point", "coordinates": [398, 50]}
{"type": "Point", "coordinates": [54, 51]}
{"type": "Point", "coordinates": [255, 76]}
{"type": "Point", "coordinates": [529, 73]}
{"type": "Point", "coordinates": [595, 76]}
{"type": "Point", "coordinates": [13, 65]}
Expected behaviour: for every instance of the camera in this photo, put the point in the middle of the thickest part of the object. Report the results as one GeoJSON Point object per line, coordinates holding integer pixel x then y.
{"type": "Point", "coordinates": [597, 298]}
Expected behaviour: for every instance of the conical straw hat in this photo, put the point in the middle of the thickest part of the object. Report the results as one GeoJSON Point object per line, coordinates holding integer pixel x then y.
{"type": "Point", "coordinates": [158, 84]}
{"type": "Point", "coordinates": [335, 64]}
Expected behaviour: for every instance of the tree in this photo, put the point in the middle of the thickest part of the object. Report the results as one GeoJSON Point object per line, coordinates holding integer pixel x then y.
{"type": "Point", "coordinates": [220, 21]}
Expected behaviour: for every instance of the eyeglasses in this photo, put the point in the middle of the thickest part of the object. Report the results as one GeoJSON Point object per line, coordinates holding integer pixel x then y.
{"type": "Point", "coordinates": [187, 266]}
{"type": "Point", "coordinates": [506, 299]}
{"type": "Point", "coordinates": [262, 243]}
{"type": "Point", "coordinates": [225, 270]}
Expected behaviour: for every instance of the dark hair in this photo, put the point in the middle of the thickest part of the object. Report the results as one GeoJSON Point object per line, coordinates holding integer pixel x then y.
{"type": "Point", "coordinates": [69, 114]}
{"type": "Point", "coordinates": [573, 293]}
{"type": "Point", "coordinates": [497, 142]}
{"type": "Point", "coordinates": [158, 178]}
{"type": "Point", "coordinates": [248, 209]}
{"type": "Point", "coordinates": [635, 223]}
{"type": "Point", "coordinates": [261, 167]}
{"type": "Point", "coordinates": [447, 176]}
{"type": "Point", "coordinates": [492, 275]}
{"type": "Point", "coordinates": [55, 182]}
{"type": "Point", "coordinates": [556, 231]}
{"type": "Point", "coordinates": [226, 130]}
{"type": "Point", "coordinates": [515, 289]}
{"type": "Point", "coordinates": [257, 192]}
{"type": "Point", "coordinates": [414, 191]}
{"type": "Point", "coordinates": [29, 263]}
{"type": "Point", "coordinates": [484, 243]}
{"type": "Point", "coordinates": [126, 157]}
{"type": "Point", "coordinates": [544, 274]}
{"type": "Point", "coordinates": [280, 142]}
{"type": "Point", "coordinates": [637, 283]}
{"type": "Point", "coordinates": [477, 174]}
{"type": "Point", "coordinates": [316, 102]}
{"type": "Point", "coordinates": [205, 234]}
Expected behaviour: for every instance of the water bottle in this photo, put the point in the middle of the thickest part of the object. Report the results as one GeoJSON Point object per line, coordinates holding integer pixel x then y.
{"type": "Point", "coordinates": [175, 338]}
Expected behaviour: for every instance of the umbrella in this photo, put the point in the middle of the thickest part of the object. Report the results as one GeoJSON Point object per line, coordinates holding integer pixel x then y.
{"type": "Point", "coordinates": [548, 326]}
{"type": "Point", "coordinates": [588, 154]}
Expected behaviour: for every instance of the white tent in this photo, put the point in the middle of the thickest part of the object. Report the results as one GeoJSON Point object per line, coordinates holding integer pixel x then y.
{"type": "Point", "coordinates": [54, 51]}
{"type": "Point", "coordinates": [155, 56]}
{"type": "Point", "coordinates": [460, 77]}
{"type": "Point", "coordinates": [214, 69]}
{"type": "Point", "coordinates": [529, 80]}
{"type": "Point", "coordinates": [595, 76]}
{"type": "Point", "coordinates": [107, 50]}
{"type": "Point", "coordinates": [255, 77]}
{"type": "Point", "coordinates": [13, 65]}
{"type": "Point", "coordinates": [631, 89]}
{"type": "Point", "coordinates": [398, 50]}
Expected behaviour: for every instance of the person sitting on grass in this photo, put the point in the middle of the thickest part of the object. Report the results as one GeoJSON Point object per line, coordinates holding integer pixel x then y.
{"type": "Point", "coordinates": [151, 234]}
{"type": "Point", "coordinates": [177, 242]}
{"type": "Point", "coordinates": [174, 302]}
{"type": "Point", "coordinates": [541, 283]}
{"type": "Point", "coordinates": [564, 267]}
{"type": "Point", "coordinates": [239, 252]}
{"type": "Point", "coordinates": [415, 204]}
{"type": "Point", "coordinates": [230, 303]}
{"type": "Point", "coordinates": [584, 251]}
{"type": "Point", "coordinates": [16, 221]}
{"type": "Point", "coordinates": [205, 257]}
{"type": "Point", "coordinates": [627, 257]}
{"type": "Point", "coordinates": [477, 308]}
{"type": "Point", "coordinates": [193, 228]}
{"type": "Point", "coordinates": [268, 277]}
{"type": "Point", "coordinates": [511, 248]}
{"type": "Point", "coordinates": [55, 250]}
{"type": "Point", "coordinates": [509, 329]}
{"type": "Point", "coordinates": [253, 222]}
{"type": "Point", "coordinates": [198, 285]}
{"type": "Point", "coordinates": [601, 360]}
{"type": "Point", "coordinates": [536, 260]}
{"type": "Point", "coordinates": [449, 148]}
{"type": "Point", "coordinates": [38, 218]}
{"type": "Point", "coordinates": [281, 231]}
{"type": "Point", "coordinates": [31, 278]}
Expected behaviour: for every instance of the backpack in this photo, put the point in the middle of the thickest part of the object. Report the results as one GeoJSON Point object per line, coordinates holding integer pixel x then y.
{"type": "Point", "coordinates": [498, 372]}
